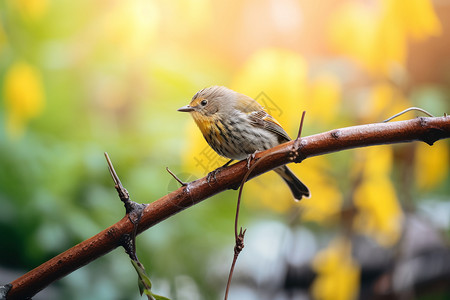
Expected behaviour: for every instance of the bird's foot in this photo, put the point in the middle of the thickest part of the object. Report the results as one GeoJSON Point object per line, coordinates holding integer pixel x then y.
{"type": "Point", "coordinates": [212, 175]}
{"type": "Point", "coordinates": [250, 158]}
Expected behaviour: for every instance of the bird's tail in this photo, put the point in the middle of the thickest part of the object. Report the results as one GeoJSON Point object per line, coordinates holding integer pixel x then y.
{"type": "Point", "coordinates": [297, 187]}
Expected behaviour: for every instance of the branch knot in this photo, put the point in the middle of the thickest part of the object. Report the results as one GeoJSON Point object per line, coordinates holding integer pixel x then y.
{"type": "Point", "coordinates": [296, 155]}
{"type": "Point", "coordinates": [239, 242]}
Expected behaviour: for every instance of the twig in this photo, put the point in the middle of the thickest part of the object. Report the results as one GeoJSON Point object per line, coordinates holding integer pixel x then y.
{"type": "Point", "coordinates": [237, 249]}
{"type": "Point", "coordinates": [300, 128]}
{"type": "Point", "coordinates": [176, 177]}
{"type": "Point", "coordinates": [428, 130]}
{"type": "Point", "coordinates": [239, 237]}
{"type": "Point", "coordinates": [133, 210]}
{"type": "Point", "coordinates": [123, 193]}
{"type": "Point", "coordinates": [128, 240]}
{"type": "Point", "coordinates": [405, 111]}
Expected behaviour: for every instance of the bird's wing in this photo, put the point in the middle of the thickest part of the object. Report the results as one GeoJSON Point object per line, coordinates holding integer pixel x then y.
{"type": "Point", "coordinates": [259, 117]}
{"type": "Point", "coordinates": [247, 105]}
{"type": "Point", "coordinates": [262, 119]}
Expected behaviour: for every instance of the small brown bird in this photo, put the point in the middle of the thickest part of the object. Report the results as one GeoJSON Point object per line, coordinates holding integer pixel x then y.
{"type": "Point", "coordinates": [237, 126]}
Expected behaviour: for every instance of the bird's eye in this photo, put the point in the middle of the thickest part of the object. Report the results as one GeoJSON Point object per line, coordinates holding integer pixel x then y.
{"type": "Point", "coordinates": [204, 102]}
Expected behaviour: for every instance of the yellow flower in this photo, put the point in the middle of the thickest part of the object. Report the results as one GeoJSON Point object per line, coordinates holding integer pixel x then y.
{"type": "Point", "coordinates": [353, 30]}
{"type": "Point", "coordinates": [338, 274]}
{"type": "Point", "coordinates": [24, 96]}
{"type": "Point", "coordinates": [131, 26]}
{"type": "Point", "coordinates": [194, 14]}
{"type": "Point", "coordinates": [376, 35]}
{"type": "Point", "coordinates": [431, 164]}
{"type": "Point", "coordinates": [384, 101]}
{"type": "Point", "coordinates": [277, 79]}
{"type": "Point", "coordinates": [389, 47]}
{"type": "Point", "coordinates": [415, 17]}
{"type": "Point", "coordinates": [326, 198]}
{"type": "Point", "coordinates": [379, 213]}
{"type": "Point", "coordinates": [270, 192]}
{"type": "Point", "coordinates": [325, 92]}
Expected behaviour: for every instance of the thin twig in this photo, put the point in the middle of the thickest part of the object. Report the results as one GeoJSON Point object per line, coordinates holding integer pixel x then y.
{"type": "Point", "coordinates": [176, 177]}
{"type": "Point", "coordinates": [133, 210]}
{"type": "Point", "coordinates": [111, 170]}
{"type": "Point", "coordinates": [405, 111]}
{"type": "Point", "coordinates": [123, 193]}
{"type": "Point", "coordinates": [300, 128]}
{"type": "Point", "coordinates": [239, 237]}
{"type": "Point", "coordinates": [237, 249]}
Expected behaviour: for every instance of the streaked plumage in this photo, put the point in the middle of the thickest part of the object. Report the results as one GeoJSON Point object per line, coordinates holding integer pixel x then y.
{"type": "Point", "coordinates": [236, 126]}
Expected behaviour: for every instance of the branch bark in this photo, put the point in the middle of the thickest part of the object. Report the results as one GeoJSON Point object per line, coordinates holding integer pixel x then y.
{"type": "Point", "coordinates": [423, 129]}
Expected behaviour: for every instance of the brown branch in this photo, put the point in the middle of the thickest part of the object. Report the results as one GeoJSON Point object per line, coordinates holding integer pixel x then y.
{"type": "Point", "coordinates": [428, 130]}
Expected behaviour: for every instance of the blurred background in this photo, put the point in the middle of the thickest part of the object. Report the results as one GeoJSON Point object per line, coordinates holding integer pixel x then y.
{"type": "Point", "coordinates": [79, 78]}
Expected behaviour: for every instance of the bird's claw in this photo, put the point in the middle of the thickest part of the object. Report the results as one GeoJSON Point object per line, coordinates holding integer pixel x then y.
{"type": "Point", "coordinates": [212, 175]}
{"type": "Point", "coordinates": [250, 157]}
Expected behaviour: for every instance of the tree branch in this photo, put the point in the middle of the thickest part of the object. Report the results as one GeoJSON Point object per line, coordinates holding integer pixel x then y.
{"type": "Point", "coordinates": [423, 129]}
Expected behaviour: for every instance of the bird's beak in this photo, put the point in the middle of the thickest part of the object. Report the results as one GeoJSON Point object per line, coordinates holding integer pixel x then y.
{"type": "Point", "coordinates": [186, 108]}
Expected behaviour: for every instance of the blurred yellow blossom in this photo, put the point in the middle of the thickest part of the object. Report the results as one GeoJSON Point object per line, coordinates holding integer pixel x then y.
{"type": "Point", "coordinates": [374, 162]}
{"type": "Point", "coordinates": [269, 191]}
{"type": "Point", "coordinates": [281, 75]}
{"type": "Point", "coordinates": [31, 9]}
{"type": "Point", "coordinates": [415, 17]}
{"type": "Point", "coordinates": [130, 27]}
{"type": "Point", "coordinates": [338, 274]}
{"type": "Point", "coordinates": [375, 34]}
{"type": "Point", "coordinates": [326, 198]}
{"type": "Point", "coordinates": [325, 98]}
{"type": "Point", "coordinates": [23, 96]}
{"type": "Point", "coordinates": [195, 14]}
{"type": "Point", "coordinates": [384, 101]}
{"type": "Point", "coordinates": [356, 30]}
{"type": "Point", "coordinates": [431, 164]}
{"type": "Point", "coordinates": [379, 213]}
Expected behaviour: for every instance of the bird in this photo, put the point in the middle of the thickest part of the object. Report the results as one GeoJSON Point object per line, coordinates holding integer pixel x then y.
{"type": "Point", "coordinates": [236, 126]}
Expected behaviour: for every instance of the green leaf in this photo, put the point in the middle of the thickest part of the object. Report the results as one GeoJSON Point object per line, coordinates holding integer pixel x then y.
{"type": "Point", "coordinates": [143, 277]}
{"type": "Point", "coordinates": [157, 297]}
{"type": "Point", "coordinates": [141, 287]}
{"type": "Point", "coordinates": [144, 283]}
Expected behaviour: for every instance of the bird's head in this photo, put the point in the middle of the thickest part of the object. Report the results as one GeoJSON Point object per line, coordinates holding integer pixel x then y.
{"type": "Point", "coordinates": [210, 101]}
